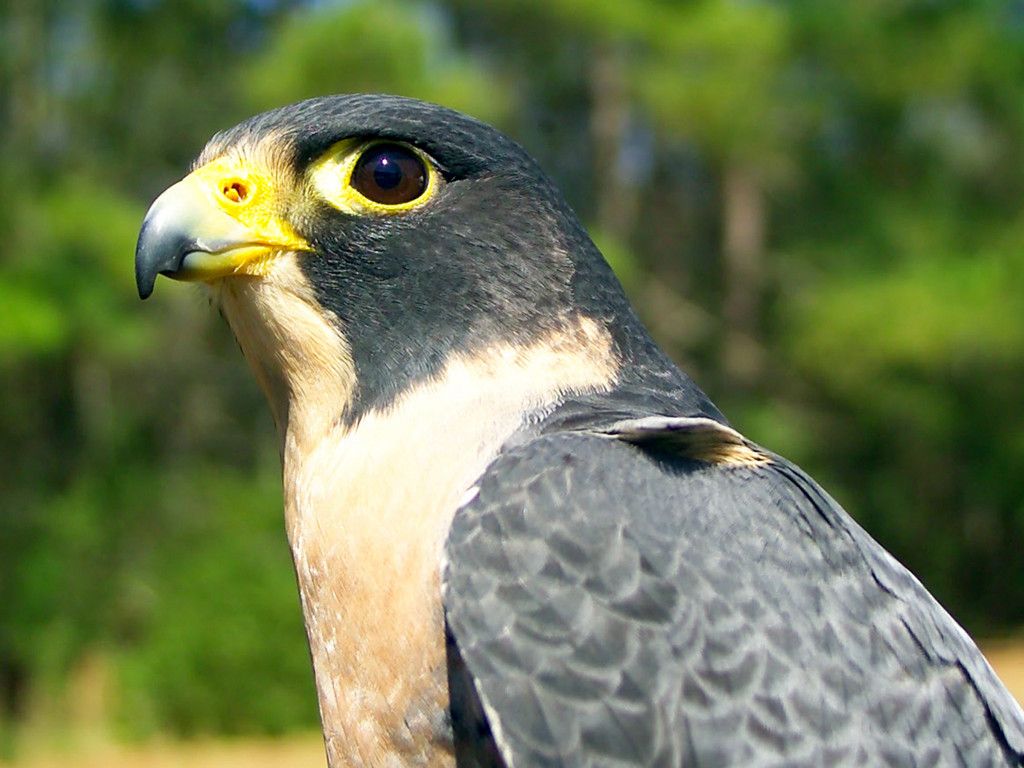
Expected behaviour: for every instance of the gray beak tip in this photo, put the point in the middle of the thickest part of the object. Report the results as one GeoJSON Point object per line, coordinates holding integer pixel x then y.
{"type": "Point", "coordinates": [147, 262]}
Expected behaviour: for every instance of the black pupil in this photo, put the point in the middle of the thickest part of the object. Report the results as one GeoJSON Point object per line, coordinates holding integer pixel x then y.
{"type": "Point", "coordinates": [390, 174]}
{"type": "Point", "coordinates": [387, 174]}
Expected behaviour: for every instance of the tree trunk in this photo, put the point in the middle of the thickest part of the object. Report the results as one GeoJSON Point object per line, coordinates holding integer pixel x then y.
{"type": "Point", "coordinates": [616, 196]}
{"type": "Point", "coordinates": [743, 245]}
{"type": "Point", "coordinates": [25, 97]}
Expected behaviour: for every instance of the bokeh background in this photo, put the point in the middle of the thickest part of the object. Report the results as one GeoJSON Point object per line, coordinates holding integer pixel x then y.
{"type": "Point", "coordinates": [815, 204]}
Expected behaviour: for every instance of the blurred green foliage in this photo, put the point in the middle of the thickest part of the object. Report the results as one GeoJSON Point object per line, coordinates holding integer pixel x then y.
{"type": "Point", "coordinates": [816, 205]}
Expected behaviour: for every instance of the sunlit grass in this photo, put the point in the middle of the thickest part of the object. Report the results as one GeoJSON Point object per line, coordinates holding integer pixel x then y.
{"type": "Point", "coordinates": [1007, 658]}
{"type": "Point", "coordinates": [305, 751]}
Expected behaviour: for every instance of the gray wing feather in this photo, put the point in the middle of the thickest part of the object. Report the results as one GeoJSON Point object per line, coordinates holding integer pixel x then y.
{"type": "Point", "coordinates": [616, 606]}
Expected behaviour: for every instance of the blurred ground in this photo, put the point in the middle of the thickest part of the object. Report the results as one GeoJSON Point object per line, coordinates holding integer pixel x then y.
{"type": "Point", "coordinates": [306, 751]}
{"type": "Point", "coordinates": [1007, 657]}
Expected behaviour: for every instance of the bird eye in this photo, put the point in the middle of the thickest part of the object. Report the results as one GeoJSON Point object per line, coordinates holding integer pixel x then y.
{"type": "Point", "coordinates": [390, 174]}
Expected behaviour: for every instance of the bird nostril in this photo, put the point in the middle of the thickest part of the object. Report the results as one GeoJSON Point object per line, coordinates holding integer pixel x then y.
{"type": "Point", "coordinates": [235, 190]}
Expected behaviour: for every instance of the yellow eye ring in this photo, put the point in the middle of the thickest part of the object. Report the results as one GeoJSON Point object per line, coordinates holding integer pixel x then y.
{"type": "Point", "coordinates": [352, 170]}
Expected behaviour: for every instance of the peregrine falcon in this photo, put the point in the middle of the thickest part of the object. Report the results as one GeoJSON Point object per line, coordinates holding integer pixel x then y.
{"type": "Point", "coordinates": [522, 535]}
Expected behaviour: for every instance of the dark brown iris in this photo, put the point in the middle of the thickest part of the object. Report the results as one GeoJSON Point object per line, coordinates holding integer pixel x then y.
{"type": "Point", "coordinates": [390, 174]}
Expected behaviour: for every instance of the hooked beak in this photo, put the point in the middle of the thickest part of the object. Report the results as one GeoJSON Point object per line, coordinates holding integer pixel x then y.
{"type": "Point", "coordinates": [210, 225]}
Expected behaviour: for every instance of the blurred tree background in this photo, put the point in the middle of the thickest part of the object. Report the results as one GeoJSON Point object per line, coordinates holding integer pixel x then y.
{"type": "Point", "coordinates": [815, 204]}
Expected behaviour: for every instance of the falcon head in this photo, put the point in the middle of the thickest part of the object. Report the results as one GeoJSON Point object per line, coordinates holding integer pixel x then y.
{"type": "Point", "coordinates": [380, 235]}
{"type": "Point", "coordinates": [356, 244]}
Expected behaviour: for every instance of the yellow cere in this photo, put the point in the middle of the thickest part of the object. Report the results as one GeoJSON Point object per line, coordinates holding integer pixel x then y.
{"type": "Point", "coordinates": [331, 176]}
{"type": "Point", "coordinates": [251, 198]}
{"type": "Point", "coordinates": [229, 185]}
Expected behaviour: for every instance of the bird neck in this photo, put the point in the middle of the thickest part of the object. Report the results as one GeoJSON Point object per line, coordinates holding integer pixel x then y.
{"type": "Point", "coordinates": [368, 502]}
{"type": "Point", "coordinates": [299, 356]}
{"type": "Point", "coordinates": [368, 506]}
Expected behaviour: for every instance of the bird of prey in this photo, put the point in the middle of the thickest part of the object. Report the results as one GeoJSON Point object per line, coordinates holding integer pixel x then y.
{"type": "Point", "coordinates": [523, 537]}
